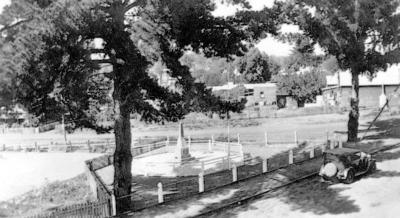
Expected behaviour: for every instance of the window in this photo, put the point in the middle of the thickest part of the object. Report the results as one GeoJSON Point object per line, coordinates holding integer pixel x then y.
{"type": "Point", "coordinates": [356, 156]}
{"type": "Point", "coordinates": [249, 92]}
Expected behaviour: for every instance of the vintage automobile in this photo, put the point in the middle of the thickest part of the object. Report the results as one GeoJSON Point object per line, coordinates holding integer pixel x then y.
{"type": "Point", "coordinates": [344, 164]}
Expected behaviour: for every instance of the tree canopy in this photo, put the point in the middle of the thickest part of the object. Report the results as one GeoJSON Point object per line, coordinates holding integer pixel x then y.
{"type": "Point", "coordinates": [57, 72]}
{"type": "Point", "coordinates": [363, 36]}
{"type": "Point", "coordinates": [303, 86]}
{"type": "Point", "coordinates": [256, 67]}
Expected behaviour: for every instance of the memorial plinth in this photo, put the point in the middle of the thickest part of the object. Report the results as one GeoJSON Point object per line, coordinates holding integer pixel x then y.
{"type": "Point", "coordinates": [182, 153]}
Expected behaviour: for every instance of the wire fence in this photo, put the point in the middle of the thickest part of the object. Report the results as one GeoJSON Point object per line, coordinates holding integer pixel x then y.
{"type": "Point", "coordinates": [83, 210]}
{"type": "Point", "coordinates": [249, 167]}
{"type": "Point", "coordinates": [225, 171]}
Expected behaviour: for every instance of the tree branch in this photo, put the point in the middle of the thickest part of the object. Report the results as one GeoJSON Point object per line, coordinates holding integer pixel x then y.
{"type": "Point", "coordinates": [15, 24]}
{"type": "Point", "coordinates": [129, 6]}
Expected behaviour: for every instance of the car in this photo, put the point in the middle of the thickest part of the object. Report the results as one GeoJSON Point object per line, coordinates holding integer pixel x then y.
{"type": "Point", "coordinates": [344, 164]}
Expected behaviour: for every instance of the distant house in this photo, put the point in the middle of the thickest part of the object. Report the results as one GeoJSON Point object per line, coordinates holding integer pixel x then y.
{"type": "Point", "coordinates": [338, 90]}
{"type": "Point", "coordinates": [15, 115]}
{"type": "Point", "coordinates": [259, 94]}
{"type": "Point", "coordinates": [285, 100]}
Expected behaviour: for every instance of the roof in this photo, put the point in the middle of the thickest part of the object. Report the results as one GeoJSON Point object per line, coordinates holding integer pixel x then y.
{"type": "Point", "coordinates": [389, 77]}
{"type": "Point", "coordinates": [258, 85]}
{"type": "Point", "coordinates": [342, 151]}
{"type": "Point", "coordinates": [231, 85]}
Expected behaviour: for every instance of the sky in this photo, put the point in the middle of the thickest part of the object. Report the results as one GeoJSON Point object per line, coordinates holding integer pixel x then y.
{"type": "Point", "coordinates": [3, 3]}
{"type": "Point", "coordinates": [268, 45]}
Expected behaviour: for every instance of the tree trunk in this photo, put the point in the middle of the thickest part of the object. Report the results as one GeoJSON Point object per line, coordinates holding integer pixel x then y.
{"type": "Point", "coordinates": [352, 125]}
{"type": "Point", "coordinates": [122, 157]}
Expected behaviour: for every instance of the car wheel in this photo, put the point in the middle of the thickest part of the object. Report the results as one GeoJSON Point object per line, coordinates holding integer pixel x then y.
{"type": "Point", "coordinates": [350, 177]}
{"type": "Point", "coordinates": [372, 168]}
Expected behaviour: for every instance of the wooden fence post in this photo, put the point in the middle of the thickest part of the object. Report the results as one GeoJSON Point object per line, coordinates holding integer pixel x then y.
{"type": "Point", "coordinates": [88, 145]}
{"type": "Point", "coordinates": [340, 144]}
{"type": "Point", "coordinates": [167, 142]}
{"type": "Point", "coordinates": [113, 205]}
{"type": "Point", "coordinates": [264, 165]}
{"type": "Point", "coordinates": [327, 137]}
{"type": "Point", "coordinates": [70, 146]}
{"type": "Point", "coordinates": [266, 138]}
{"type": "Point", "coordinates": [335, 136]}
{"type": "Point", "coordinates": [312, 153]}
{"type": "Point", "coordinates": [234, 173]}
{"type": "Point", "coordinates": [290, 156]}
{"type": "Point", "coordinates": [332, 144]}
{"type": "Point", "coordinates": [241, 150]}
{"type": "Point", "coordinates": [212, 140]}
{"type": "Point", "coordinates": [238, 138]}
{"type": "Point", "coordinates": [209, 146]}
{"type": "Point", "coordinates": [201, 182]}
{"type": "Point", "coordinates": [160, 193]}
{"type": "Point", "coordinates": [189, 142]}
{"type": "Point", "coordinates": [36, 147]}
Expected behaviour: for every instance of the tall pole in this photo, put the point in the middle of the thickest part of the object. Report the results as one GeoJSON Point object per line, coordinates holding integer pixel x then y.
{"type": "Point", "coordinates": [63, 128]}
{"type": "Point", "coordinates": [229, 140]}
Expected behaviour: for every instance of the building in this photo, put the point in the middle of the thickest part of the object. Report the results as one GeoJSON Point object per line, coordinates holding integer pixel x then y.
{"type": "Point", "coordinates": [14, 115]}
{"type": "Point", "coordinates": [338, 90]}
{"type": "Point", "coordinates": [259, 94]}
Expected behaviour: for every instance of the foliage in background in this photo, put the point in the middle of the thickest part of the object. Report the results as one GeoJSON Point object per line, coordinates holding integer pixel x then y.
{"type": "Point", "coordinates": [303, 86]}
{"type": "Point", "coordinates": [255, 66]}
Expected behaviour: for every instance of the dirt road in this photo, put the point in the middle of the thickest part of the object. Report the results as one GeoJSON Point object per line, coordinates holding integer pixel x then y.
{"type": "Point", "coordinates": [375, 195]}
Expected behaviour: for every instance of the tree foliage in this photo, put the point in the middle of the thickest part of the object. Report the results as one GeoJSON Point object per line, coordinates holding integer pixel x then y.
{"type": "Point", "coordinates": [256, 67]}
{"type": "Point", "coordinates": [363, 35]}
{"type": "Point", "coordinates": [303, 86]}
{"type": "Point", "coordinates": [56, 72]}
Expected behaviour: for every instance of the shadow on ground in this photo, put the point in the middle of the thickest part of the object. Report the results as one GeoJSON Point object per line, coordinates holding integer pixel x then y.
{"type": "Point", "coordinates": [389, 128]}
{"type": "Point", "coordinates": [318, 197]}
{"type": "Point", "coordinates": [310, 196]}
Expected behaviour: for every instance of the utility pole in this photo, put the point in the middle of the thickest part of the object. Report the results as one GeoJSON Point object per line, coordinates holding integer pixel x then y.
{"type": "Point", "coordinates": [63, 128]}
{"type": "Point", "coordinates": [227, 118]}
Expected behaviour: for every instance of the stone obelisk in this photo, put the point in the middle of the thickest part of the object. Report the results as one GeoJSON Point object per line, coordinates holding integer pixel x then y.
{"type": "Point", "coordinates": [182, 150]}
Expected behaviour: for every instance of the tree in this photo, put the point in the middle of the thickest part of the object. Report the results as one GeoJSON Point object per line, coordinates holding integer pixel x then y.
{"type": "Point", "coordinates": [363, 35]}
{"type": "Point", "coordinates": [304, 86]}
{"type": "Point", "coordinates": [56, 72]}
{"type": "Point", "coordinates": [255, 66]}
{"type": "Point", "coordinates": [206, 70]}
{"type": "Point", "coordinates": [13, 20]}
{"type": "Point", "coordinates": [330, 65]}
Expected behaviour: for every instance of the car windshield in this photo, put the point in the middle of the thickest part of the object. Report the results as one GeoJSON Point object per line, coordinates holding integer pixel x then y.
{"type": "Point", "coordinates": [330, 158]}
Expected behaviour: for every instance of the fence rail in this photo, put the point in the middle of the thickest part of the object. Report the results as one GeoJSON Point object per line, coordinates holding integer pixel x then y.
{"type": "Point", "coordinates": [83, 210]}
{"type": "Point", "coordinates": [249, 167]}
{"type": "Point", "coordinates": [189, 185]}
